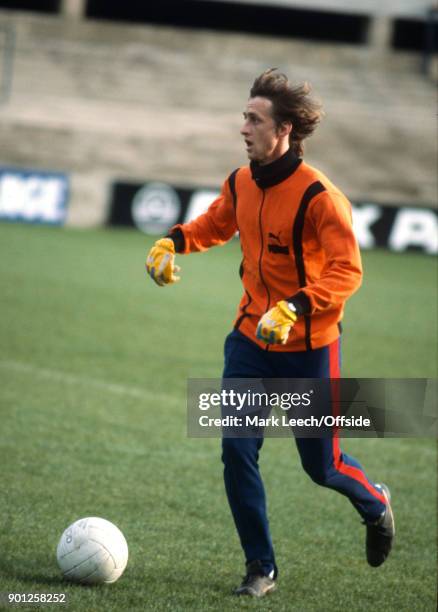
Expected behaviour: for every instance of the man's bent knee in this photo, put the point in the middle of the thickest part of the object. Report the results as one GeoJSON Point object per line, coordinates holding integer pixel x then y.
{"type": "Point", "coordinates": [319, 475]}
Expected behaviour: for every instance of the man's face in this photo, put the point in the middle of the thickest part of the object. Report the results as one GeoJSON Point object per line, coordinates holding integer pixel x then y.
{"type": "Point", "coordinates": [263, 141]}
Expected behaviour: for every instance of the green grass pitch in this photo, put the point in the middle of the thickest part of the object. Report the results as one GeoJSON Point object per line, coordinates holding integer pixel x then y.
{"type": "Point", "coordinates": [94, 360]}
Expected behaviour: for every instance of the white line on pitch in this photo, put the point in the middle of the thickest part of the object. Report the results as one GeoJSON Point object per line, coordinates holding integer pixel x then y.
{"type": "Point", "coordinates": [73, 379]}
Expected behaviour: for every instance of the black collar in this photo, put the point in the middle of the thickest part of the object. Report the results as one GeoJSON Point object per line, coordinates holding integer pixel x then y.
{"type": "Point", "coordinates": [276, 172]}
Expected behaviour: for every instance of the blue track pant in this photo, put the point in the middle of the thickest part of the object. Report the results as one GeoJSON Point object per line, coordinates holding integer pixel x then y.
{"type": "Point", "coordinates": [321, 458]}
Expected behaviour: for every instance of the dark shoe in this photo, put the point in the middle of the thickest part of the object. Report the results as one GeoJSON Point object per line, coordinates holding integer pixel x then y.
{"type": "Point", "coordinates": [255, 583]}
{"type": "Point", "coordinates": [381, 533]}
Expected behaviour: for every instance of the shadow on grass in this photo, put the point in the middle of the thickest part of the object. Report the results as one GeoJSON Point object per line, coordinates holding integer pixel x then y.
{"type": "Point", "coordinates": [21, 569]}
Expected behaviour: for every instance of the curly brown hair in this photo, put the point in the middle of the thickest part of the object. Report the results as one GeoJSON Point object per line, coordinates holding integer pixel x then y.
{"type": "Point", "coordinates": [289, 103]}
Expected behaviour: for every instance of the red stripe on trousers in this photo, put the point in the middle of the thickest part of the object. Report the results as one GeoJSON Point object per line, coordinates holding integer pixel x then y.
{"type": "Point", "coordinates": [340, 466]}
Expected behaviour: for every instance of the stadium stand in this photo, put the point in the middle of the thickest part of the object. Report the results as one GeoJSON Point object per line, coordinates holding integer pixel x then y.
{"type": "Point", "coordinates": [104, 101]}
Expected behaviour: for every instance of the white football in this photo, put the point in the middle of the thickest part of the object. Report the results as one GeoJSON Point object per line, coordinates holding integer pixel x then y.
{"type": "Point", "coordinates": [92, 551]}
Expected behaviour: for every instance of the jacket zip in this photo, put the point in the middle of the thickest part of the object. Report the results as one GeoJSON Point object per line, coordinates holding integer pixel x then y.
{"type": "Point", "coordinates": [261, 255]}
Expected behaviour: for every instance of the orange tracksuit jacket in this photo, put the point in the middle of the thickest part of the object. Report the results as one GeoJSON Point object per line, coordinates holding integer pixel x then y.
{"type": "Point", "coordinates": [297, 243]}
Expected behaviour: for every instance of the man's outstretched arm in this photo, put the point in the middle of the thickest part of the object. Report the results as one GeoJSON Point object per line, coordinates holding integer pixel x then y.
{"type": "Point", "coordinates": [215, 227]}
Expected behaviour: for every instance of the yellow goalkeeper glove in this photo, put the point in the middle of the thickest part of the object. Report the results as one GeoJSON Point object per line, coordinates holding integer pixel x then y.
{"type": "Point", "coordinates": [275, 325]}
{"type": "Point", "coordinates": [160, 262]}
